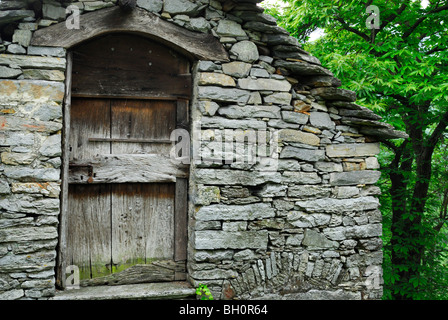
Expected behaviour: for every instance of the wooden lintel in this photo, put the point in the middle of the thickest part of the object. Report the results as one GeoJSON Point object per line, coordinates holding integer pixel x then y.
{"type": "Point", "coordinates": [194, 45]}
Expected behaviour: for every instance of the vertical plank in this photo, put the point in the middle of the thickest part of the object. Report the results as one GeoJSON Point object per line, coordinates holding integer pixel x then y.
{"type": "Point", "coordinates": [128, 236]}
{"type": "Point", "coordinates": [91, 118]}
{"type": "Point", "coordinates": [181, 216]}
{"type": "Point", "coordinates": [62, 245]}
{"type": "Point", "coordinates": [89, 232]}
{"type": "Point", "coordinates": [159, 221]}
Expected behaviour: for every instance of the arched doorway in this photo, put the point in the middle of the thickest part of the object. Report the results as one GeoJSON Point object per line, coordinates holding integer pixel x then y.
{"type": "Point", "coordinates": [125, 217]}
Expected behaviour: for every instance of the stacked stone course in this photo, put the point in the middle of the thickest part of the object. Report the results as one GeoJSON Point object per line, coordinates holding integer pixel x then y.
{"type": "Point", "coordinates": [309, 230]}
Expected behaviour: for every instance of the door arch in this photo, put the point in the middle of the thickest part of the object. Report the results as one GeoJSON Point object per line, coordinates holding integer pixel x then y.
{"type": "Point", "coordinates": [124, 215]}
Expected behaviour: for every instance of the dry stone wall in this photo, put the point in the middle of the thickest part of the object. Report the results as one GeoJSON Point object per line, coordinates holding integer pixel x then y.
{"type": "Point", "coordinates": [306, 225]}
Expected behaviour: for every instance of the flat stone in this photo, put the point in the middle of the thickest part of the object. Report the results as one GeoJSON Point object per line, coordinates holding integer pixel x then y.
{"type": "Point", "coordinates": [199, 24]}
{"type": "Point", "coordinates": [295, 117]}
{"type": "Point", "coordinates": [229, 28]}
{"type": "Point", "coordinates": [321, 120]}
{"type": "Point", "coordinates": [302, 68]}
{"type": "Point", "coordinates": [223, 94]}
{"type": "Point", "coordinates": [211, 240]}
{"type": "Point", "coordinates": [237, 69]}
{"type": "Point", "coordinates": [4, 187]}
{"type": "Point", "coordinates": [213, 78]}
{"type": "Point", "coordinates": [33, 61]}
{"type": "Point", "coordinates": [321, 81]}
{"type": "Point", "coordinates": [264, 27]}
{"type": "Point", "coordinates": [14, 15]}
{"type": "Point", "coordinates": [330, 205]}
{"type": "Point", "coordinates": [264, 84]}
{"type": "Point", "coordinates": [39, 74]}
{"type": "Point", "coordinates": [9, 73]}
{"type": "Point", "coordinates": [236, 177]}
{"type": "Point", "coordinates": [96, 5]}
{"type": "Point", "coordinates": [46, 51]}
{"type": "Point", "coordinates": [271, 190]}
{"type": "Point", "coordinates": [151, 5]}
{"type": "Point", "coordinates": [354, 232]}
{"type": "Point", "coordinates": [235, 212]}
{"type": "Point", "coordinates": [53, 12]}
{"type": "Point", "coordinates": [51, 147]}
{"type": "Point", "coordinates": [208, 107]}
{"type": "Point", "coordinates": [308, 191]}
{"type": "Point", "coordinates": [236, 112]}
{"type": "Point", "coordinates": [331, 93]}
{"type": "Point", "coordinates": [353, 150]}
{"type": "Point", "coordinates": [314, 240]}
{"type": "Point", "coordinates": [302, 154]}
{"type": "Point", "coordinates": [187, 7]}
{"type": "Point", "coordinates": [354, 177]}
{"type": "Point", "coordinates": [28, 234]}
{"type": "Point", "coordinates": [15, 48]}
{"type": "Point", "coordinates": [219, 122]}
{"type": "Point", "coordinates": [27, 174]}
{"type": "Point", "coordinates": [147, 291]}
{"type": "Point", "coordinates": [328, 166]}
{"type": "Point", "coordinates": [279, 39]}
{"type": "Point", "coordinates": [291, 135]}
{"type": "Point", "coordinates": [282, 98]}
{"type": "Point", "coordinates": [301, 177]}
{"type": "Point", "coordinates": [245, 51]}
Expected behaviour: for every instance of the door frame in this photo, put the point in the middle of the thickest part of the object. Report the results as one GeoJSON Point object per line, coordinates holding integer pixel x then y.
{"type": "Point", "coordinates": [181, 184]}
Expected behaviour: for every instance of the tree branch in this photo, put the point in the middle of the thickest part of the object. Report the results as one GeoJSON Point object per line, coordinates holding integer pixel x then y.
{"type": "Point", "coordinates": [353, 30]}
{"type": "Point", "coordinates": [421, 19]}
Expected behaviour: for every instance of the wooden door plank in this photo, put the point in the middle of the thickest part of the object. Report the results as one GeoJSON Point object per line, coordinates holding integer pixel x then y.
{"type": "Point", "coordinates": [88, 229]}
{"type": "Point", "coordinates": [159, 221]}
{"type": "Point", "coordinates": [181, 216]}
{"type": "Point", "coordinates": [128, 233]}
{"type": "Point", "coordinates": [89, 117]}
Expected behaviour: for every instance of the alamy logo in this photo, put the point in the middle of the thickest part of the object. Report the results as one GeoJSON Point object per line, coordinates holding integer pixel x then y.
{"type": "Point", "coordinates": [72, 281]}
{"type": "Point", "coordinates": [72, 21]}
{"type": "Point", "coordinates": [374, 276]}
{"type": "Point", "coordinates": [373, 21]}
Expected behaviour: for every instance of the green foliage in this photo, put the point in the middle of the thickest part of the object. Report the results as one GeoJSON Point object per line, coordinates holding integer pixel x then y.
{"type": "Point", "coordinates": [203, 292]}
{"type": "Point", "coordinates": [400, 72]}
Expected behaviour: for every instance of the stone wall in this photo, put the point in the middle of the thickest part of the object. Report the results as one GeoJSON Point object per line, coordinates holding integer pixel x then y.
{"type": "Point", "coordinates": [306, 227]}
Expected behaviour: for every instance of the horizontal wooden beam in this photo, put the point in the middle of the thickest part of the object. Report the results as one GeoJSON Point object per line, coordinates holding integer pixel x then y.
{"type": "Point", "coordinates": [127, 168]}
{"type": "Point", "coordinates": [193, 45]}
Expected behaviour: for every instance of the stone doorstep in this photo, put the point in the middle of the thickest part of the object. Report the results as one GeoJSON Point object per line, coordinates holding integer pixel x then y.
{"type": "Point", "coordinates": [142, 291]}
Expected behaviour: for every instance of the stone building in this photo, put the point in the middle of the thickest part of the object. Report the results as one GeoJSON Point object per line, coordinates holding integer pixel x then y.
{"type": "Point", "coordinates": [146, 150]}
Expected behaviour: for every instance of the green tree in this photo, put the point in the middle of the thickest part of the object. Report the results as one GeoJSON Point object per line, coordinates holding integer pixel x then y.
{"type": "Point", "coordinates": [399, 69]}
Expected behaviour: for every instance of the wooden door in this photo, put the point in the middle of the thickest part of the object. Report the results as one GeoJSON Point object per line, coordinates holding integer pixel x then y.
{"type": "Point", "coordinates": [126, 197]}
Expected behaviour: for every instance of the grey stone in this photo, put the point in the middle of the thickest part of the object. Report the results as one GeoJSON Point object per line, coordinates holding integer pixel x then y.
{"type": "Point", "coordinates": [328, 166]}
{"type": "Point", "coordinates": [235, 212]}
{"type": "Point", "coordinates": [354, 177]}
{"type": "Point", "coordinates": [264, 84]}
{"type": "Point", "coordinates": [306, 220]}
{"type": "Point", "coordinates": [4, 187]}
{"type": "Point", "coordinates": [229, 28]}
{"type": "Point", "coordinates": [301, 177]}
{"type": "Point", "coordinates": [246, 15]}
{"type": "Point", "coordinates": [279, 39]}
{"type": "Point", "coordinates": [235, 177]}
{"type": "Point", "coordinates": [199, 24]}
{"type": "Point", "coordinates": [259, 73]}
{"type": "Point", "coordinates": [210, 240]}
{"type": "Point", "coordinates": [22, 37]}
{"type": "Point", "coordinates": [272, 190]}
{"type": "Point", "coordinates": [245, 51]}
{"type": "Point", "coordinates": [187, 7]}
{"type": "Point", "coordinates": [223, 94]}
{"type": "Point", "coordinates": [15, 48]}
{"type": "Point", "coordinates": [28, 234]}
{"type": "Point", "coordinates": [53, 12]}
{"type": "Point", "coordinates": [312, 191]}
{"type": "Point", "coordinates": [264, 27]}
{"type": "Point", "coordinates": [14, 15]}
{"type": "Point", "coordinates": [302, 154]}
{"type": "Point", "coordinates": [39, 74]}
{"type": "Point", "coordinates": [150, 5]}
{"type": "Point", "coordinates": [291, 135]}
{"type": "Point", "coordinates": [302, 68]}
{"type": "Point", "coordinates": [353, 150]}
{"type": "Point", "coordinates": [213, 274]}
{"type": "Point", "coordinates": [321, 120]}
{"type": "Point", "coordinates": [208, 108]}
{"type": "Point", "coordinates": [46, 51]}
{"type": "Point", "coordinates": [280, 124]}
{"type": "Point", "coordinates": [295, 117]}
{"type": "Point", "coordinates": [237, 112]}
{"type": "Point", "coordinates": [96, 5]}
{"type": "Point", "coordinates": [234, 226]}
{"type": "Point", "coordinates": [243, 255]}
{"type": "Point", "coordinates": [314, 240]}
{"type": "Point", "coordinates": [51, 147]}
{"type": "Point", "coordinates": [25, 173]}
{"type": "Point", "coordinates": [219, 122]}
{"type": "Point", "coordinates": [206, 195]}
{"type": "Point", "coordinates": [237, 69]}
{"type": "Point", "coordinates": [213, 256]}
{"type": "Point", "coordinates": [12, 294]}
{"type": "Point", "coordinates": [278, 98]}
{"type": "Point", "coordinates": [330, 205]}
{"type": "Point", "coordinates": [208, 66]}
{"type": "Point", "coordinates": [9, 73]}
{"type": "Point", "coordinates": [33, 61]}
{"type": "Point", "coordinates": [331, 93]}
{"type": "Point", "coordinates": [354, 232]}
{"type": "Point", "coordinates": [347, 192]}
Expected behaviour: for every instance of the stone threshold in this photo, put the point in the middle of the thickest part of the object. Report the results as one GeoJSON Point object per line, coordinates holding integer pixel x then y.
{"type": "Point", "coordinates": [142, 291]}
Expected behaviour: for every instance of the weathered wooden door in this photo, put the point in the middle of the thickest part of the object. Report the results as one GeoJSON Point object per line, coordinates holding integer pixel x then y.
{"type": "Point", "coordinates": [126, 205]}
